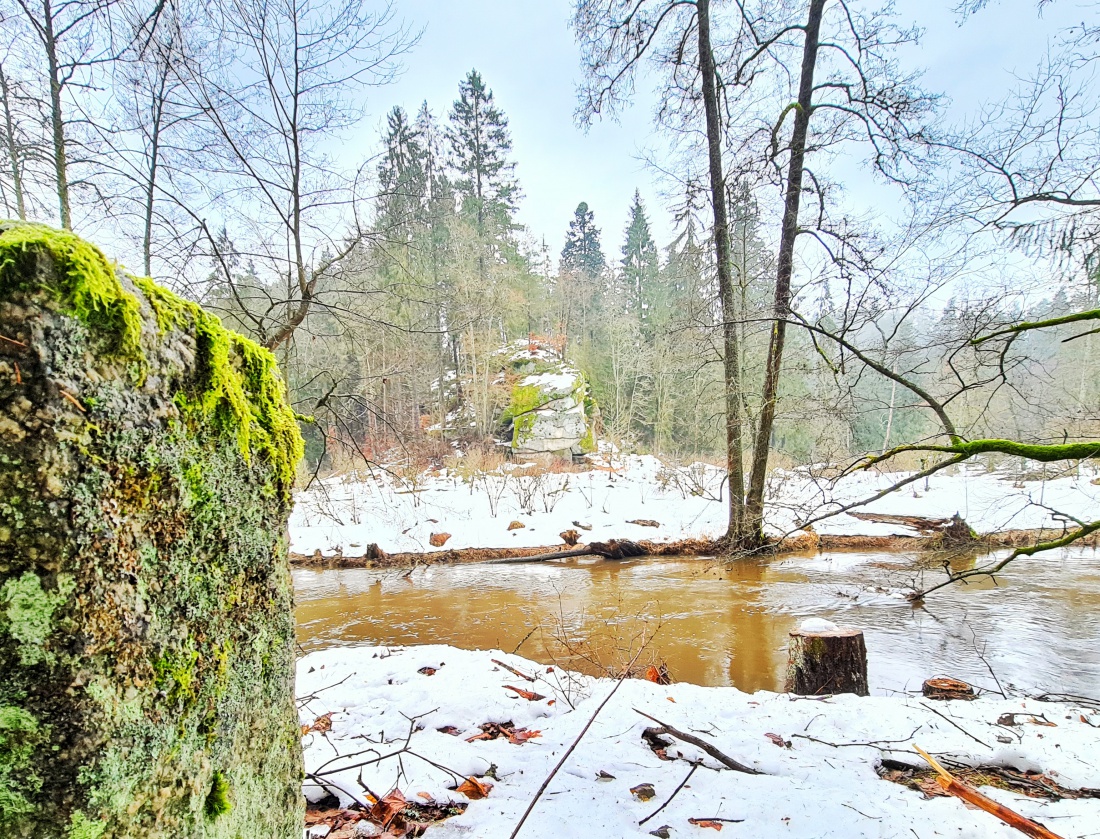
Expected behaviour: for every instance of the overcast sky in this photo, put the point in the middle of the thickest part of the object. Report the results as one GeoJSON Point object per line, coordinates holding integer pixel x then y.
{"type": "Point", "coordinates": [525, 51]}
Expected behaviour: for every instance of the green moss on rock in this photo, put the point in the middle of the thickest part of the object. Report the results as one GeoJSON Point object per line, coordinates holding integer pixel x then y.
{"type": "Point", "coordinates": [84, 282]}
{"type": "Point", "coordinates": [146, 627]}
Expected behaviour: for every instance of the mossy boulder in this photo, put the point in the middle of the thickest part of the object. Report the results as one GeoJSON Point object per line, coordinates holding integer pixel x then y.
{"type": "Point", "coordinates": [146, 629]}
{"type": "Point", "coordinates": [550, 409]}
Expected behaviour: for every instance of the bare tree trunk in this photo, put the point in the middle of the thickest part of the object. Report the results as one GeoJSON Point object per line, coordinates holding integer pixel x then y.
{"type": "Point", "coordinates": [731, 351]}
{"type": "Point", "coordinates": [12, 147]}
{"type": "Point", "coordinates": [754, 526]}
{"type": "Point", "coordinates": [154, 164]}
{"type": "Point", "coordinates": [57, 123]}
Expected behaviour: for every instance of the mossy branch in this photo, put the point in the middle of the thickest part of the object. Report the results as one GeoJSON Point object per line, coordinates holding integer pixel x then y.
{"type": "Point", "coordinates": [1027, 326]}
{"type": "Point", "coordinates": [991, 570]}
{"type": "Point", "coordinates": [1039, 452]}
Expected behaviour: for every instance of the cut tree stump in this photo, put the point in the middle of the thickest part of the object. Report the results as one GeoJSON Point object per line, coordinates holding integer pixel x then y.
{"type": "Point", "coordinates": [826, 659]}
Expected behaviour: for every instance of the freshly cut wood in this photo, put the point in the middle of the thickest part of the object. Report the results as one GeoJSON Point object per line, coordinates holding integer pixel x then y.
{"type": "Point", "coordinates": [826, 660]}
{"type": "Point", "coordinates": [943, 687]}
{"type": "Point", "coordinates": [967, 793]}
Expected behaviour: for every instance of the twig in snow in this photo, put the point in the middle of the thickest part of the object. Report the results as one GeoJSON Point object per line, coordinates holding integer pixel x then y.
{"type": "Point", "coordinates": [959, 727]}
{"type": "Point", "coordinates": [876, 744]}
{"type": "Point", "coordinates": [694, 766]}
{"type": "Point", "coordinates": [304, 700]}
{"type": "Point", "coordinates": [569, 751]}
{"type": "Point", "coordinates": [718, 755]}
{"type": "Point", "coordinates": [1067, 697]}
{"type": "Point", "coordinates": [513, 670]}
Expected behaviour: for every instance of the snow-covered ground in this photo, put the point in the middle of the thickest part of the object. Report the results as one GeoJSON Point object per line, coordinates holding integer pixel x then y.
{"type": "Point", "coordinates": [345, 515]}
{"type": "Point", "coordinates": [387, 700]}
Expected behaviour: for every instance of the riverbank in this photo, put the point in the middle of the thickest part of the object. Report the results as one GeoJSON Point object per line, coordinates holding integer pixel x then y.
{"type": "Point", "coordinates": [385, 520]}
{"type": "Point", "coordinates": [425, 720]}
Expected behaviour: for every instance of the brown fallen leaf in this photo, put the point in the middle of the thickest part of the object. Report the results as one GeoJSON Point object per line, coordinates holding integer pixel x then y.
{"type": "Point", "coordinates": [449, 729]}
{"type": "Point", "coordinates": [322, 724]}
{"type": "Point", "coordinates": [427, 796]}
{"type": "Point", "coordinates": [474, 789]}
{"type": "Point", "coordinates": [643, 792]}
{"type": "Point", "coordinates": [658, 675]}
{"type": "Point", "coordinates": [387, 807]}
{"type": "Point", "coordinates": [706, 823]}
{"type": "Point", "coordinates": [522, 735]}
{"type": "Point", "coordinates": [670, 699]}
{"type": "Point", "coordinates": [428, 671]}
{"type": "Point", "coordinates": [530, 696]}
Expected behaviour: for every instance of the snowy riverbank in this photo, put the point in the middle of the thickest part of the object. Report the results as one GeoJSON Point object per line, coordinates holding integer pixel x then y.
{"type": "Point", "coordinates": [345, 515]}
{"type": "Point", "coordinates": [823, 784]}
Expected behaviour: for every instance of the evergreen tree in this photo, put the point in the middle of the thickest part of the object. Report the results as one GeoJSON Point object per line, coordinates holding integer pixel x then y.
{"type": "Point", "coordinates": [582, 254]}
{"type": "Point", "coordinates": [480, 147]}
{"type": "Point", "coordinates": [402, 180]}
{"type": "Point", "coordinates": [640, 262]}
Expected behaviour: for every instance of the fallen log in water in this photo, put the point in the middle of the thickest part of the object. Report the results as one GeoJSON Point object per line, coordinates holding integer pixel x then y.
{"type": "Point", "coordinates": [614, 549]}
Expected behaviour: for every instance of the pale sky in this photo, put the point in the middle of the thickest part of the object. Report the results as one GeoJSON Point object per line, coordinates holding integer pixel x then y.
{"type": "Point", "coordinates": [525, 51]}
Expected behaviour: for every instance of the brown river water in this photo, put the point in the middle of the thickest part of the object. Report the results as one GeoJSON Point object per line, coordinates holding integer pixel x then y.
{"type": "Point", "coordinates": [1037, 629]}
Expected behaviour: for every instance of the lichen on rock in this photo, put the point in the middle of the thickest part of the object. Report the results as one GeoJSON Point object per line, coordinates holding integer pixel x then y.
{"type": "Point", "coordinates": [147, 456]}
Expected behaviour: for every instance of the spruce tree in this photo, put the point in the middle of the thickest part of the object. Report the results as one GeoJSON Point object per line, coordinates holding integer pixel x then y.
{"type": "Point", "coordinates": [640, 261]}
{"type": "Point", "coordinates": [480, 147]}
{"type": "Point", "coordinates": [582, 254]}
{"type": "Point", "coordinates": [402, 180]}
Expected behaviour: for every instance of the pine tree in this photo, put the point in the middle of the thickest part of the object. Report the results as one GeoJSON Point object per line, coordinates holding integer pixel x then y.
{"type": "Point", "coordinates": [582, 253]}
{"type": "Point", "coordinates": [640, 261]}
{"type": "Point", "coordinates": [480, 146]}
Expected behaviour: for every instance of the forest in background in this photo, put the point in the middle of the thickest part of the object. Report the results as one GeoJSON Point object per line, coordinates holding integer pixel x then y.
{"type": "Point", "coordinates": [204, 144]}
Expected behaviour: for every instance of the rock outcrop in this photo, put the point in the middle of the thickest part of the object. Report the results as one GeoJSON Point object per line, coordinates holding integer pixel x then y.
{"type": "Point", "coordinates": [551, 409]}
{"type": "Point", "coordinates": [146, 628]}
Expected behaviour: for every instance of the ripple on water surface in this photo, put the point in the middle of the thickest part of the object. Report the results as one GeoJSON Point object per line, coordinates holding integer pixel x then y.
{"type": "Point", "coordinates": [727, 624]}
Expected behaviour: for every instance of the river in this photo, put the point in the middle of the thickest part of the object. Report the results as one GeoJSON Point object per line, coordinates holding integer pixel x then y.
{"type": "Point", "coordinates": [1036, 629]}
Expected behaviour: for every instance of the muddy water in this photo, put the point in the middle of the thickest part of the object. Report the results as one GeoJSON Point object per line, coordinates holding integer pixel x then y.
{"type": "Point", "coordinates": [727, 624]}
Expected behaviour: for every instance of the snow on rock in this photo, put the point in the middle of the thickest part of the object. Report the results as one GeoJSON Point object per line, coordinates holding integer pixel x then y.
{"type": "Point", "coordinates": [550, 408]}
{"type": "Point", "coordinates": [347, 514]}
{"type": "Point", "coordinates": [379, 698]}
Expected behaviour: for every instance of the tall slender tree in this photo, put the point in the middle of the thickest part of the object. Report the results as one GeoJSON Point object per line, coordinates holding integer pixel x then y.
{"type": "Point", "coordinates": [639, 261]}
{"type": "Point", "coordinates": [481, 146]}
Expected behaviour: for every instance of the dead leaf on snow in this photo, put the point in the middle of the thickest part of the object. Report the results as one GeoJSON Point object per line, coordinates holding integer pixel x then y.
{"type": "Point", "coordinates": [706, 823]}
{"type": "Point", "coordinates": [322, 724]}
{"type": "Point", "coordinates": [474, 789]}
{"type": "Point", "coordinates": [390, 805]}
{"type": "Point", "coordinates": [643, 792]}
{"type": "Point", "coordinates": [529, 695]}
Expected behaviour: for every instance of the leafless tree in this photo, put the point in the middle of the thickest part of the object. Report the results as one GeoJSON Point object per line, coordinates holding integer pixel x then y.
{"type": "Point", "coordinates": [274, 95]}
{"type": "Point", "coordinates": [847, 91]}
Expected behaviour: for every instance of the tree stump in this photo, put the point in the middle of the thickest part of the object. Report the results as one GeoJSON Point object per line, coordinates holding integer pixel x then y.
{"type": "Point", "coordinates": [824, 658]}
{"type": "Point", "coordinates": [943, 687]}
